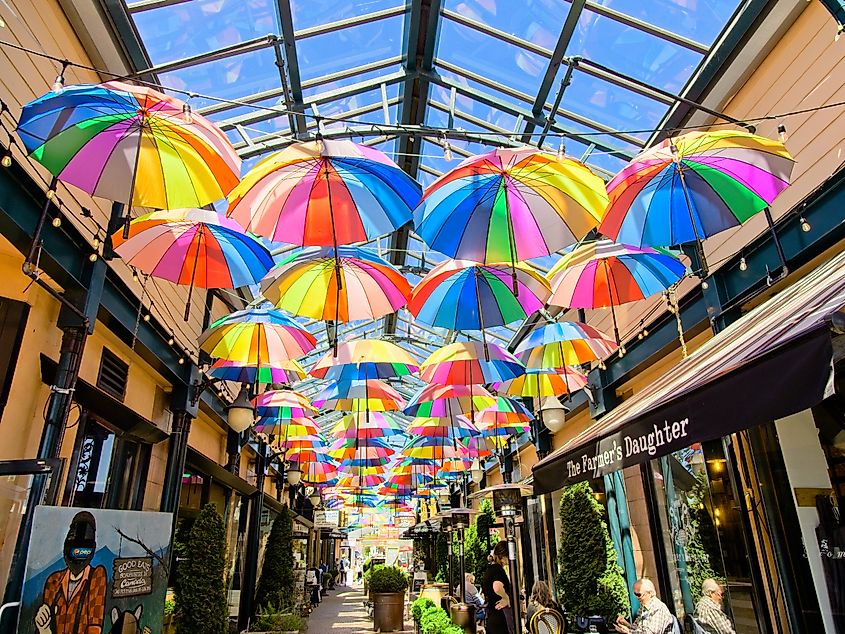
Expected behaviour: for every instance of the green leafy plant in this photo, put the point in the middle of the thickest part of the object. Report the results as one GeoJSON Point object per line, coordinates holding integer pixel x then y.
{"type": "Point", "coordinates": [273, 620]}
{"type": "Point", "coordinates": [277, 583]}
{"type": "Point", "coordinates": [435, 620]}
{"type": "Point", "coordinates": [589, 577]}
{"type": "Point", "coordinates": [419, 606]}
{"type": "Point", "coordinates": [201, 594]}
{"type": "Point", "coordinates": [169, 607]}
{"type": "Point", "coordinates": [703, 546]}
{"type": "Point", "coordinates": [388, 579]}
{"type": "Point", "coordinates": [477, 541]}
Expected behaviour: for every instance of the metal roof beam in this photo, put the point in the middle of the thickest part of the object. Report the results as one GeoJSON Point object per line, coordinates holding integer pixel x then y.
{"type": "Point", "coordinates": [292, 61]}
{"type": "Point", "coordinates": [127, 36]}
{"type": "Point", "coordinates": [146, 5]}
{"type": "Point", "coordinates": [496, 33]}
{"type": "Point", "coordinates": [358, 20]}
{"type": "Point", "coordinates": [248, 46]}
{"type": "Point", "coordinates": [563, 40]}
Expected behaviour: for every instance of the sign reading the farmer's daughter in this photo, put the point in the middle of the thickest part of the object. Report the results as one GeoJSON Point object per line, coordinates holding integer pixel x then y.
{"type": "Point", "coordinates": [629, 446]}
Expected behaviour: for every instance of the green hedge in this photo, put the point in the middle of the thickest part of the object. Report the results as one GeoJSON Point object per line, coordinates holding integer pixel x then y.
{"type": "Point", "coordinates": [434, 620]}
{"type": "Point", "coordinates": [387, 579]}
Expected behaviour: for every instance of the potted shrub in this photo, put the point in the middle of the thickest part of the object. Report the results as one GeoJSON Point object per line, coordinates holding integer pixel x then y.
{"type": "Point", "coordinates": [387, 585]}
{"type": "Point", "coordinates": [272, 621]}
{"type": "Point", "coordinates": [169, 619]}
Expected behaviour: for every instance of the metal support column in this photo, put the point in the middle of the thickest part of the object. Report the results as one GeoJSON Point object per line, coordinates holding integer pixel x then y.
{"type": "Point", "coordinates": [177, 451]}
{"type": "Point", "coordinates": [246, 609]}
{"type": "Point", "coordinates": [513, 569]}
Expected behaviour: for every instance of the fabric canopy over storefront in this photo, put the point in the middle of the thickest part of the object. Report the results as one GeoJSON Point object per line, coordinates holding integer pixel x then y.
{"type": "Point", "coordinates": [775, 361]}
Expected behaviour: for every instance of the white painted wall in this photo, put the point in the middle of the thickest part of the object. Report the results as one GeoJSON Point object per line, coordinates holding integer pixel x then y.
{"type": "Point", "coordinates": [807, 468]}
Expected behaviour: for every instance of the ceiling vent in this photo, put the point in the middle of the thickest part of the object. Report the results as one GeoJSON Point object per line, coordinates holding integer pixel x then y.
{"type": "Point", "coordinates": [113, 375]}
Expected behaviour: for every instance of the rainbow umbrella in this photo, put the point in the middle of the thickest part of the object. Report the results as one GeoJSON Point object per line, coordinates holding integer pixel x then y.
{"type": "Point", "coordinates": [194, 248]}
{"type": "Point", "coordinates": [563, 343]}
{"type": "Point", "coordinates": [366, 395]}
{"type": "Point", "coordinates": [130, 144]}
{"type": "Point", "coordinates": [324, 193]}
{"type": "Point", "coordinates": [283, 404]}
{"type": "Point", "coordinates": [476, 447]}
{"type": "Point", "coordinates": [448, 400]}
{"type": "Point", "coordinates": [694, 186]}
{"type": "Point", "coordinates": [362, 481]}
{"type": "Point", "coordinates": [289, 428]}
{"type": "Point", "coordinates": [505, 411]}
{"type": "Point", "coordinates": [343, 284]}
{"type": "Point", "coordinates": [451, 427]}
{"type": "Point", "coordinates": [434, 448]}
{"type": "Point", "coordinates": [256, 337]}
{"type": "Point", "coordinates": [602, 273]}
{"type": "Point", "coordinates": [322, 471]}
{"type": "Point", "coordinates": [367, 427]}
{"type": "Point", "coordinates": [462, 295]}
{"type": "Point", "coordinates": [365, 359]}
{"type": "Point", "coordinates": [285, 372]}
{"type": "Point", "coordinates": [510, 205]}
{"type": "Point", "coordinates": [350, 449]}
{"type": "Point", "coordinates": [470, 363]}
{"type": "Point", "coordinates": [542, 383]}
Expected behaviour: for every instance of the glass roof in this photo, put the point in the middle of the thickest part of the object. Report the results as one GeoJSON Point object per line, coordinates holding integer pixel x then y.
{"type": "Point", "coordinates": [487, 71]}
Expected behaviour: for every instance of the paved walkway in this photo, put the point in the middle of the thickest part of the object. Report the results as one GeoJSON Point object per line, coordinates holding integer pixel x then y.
{"type": "Point", "coordinates": [343, 611]}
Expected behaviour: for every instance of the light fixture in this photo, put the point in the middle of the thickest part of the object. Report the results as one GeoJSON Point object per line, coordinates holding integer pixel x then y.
{"type": "Point", "coordinates": [6, 161]}
{"type": "Point", "coordinates": [318, 139]}
{"type": "Point", "coordinates": [134, 275]}
{"type": "Point", "coordinates": [170, 341]}
{"type": "Point", "coordinates": [622, 351]}
{"type": "Point", "coordinates": [51, 193]}
{"type": "Point", "coordinates": [57, 222]}
{"type": "Point", "coordinates": [782, 133]}
{"type": "Point", "coordinates": [294, 474]}
{"type": "Point", "coordinates": [2, 22]}
{"type": "Point", "coordinates": [96, 241]}
{"type": "Point", "coordinates": [805, 226]}
{"type": "Point", "coordinates": [476, 471]}
{"type": "Point", "coordinates": [553, 414]}
{"type": "Point", "coordinates": [561, 149]}
{"type": "Point", "coordinates": [743, 265]}
{"type": "Point", "coordinates": [705, 285]}
{"type": "Point", "coordinates": [93, 257]}
{"type": "Point", "coordinates": [59, 82]}
{"type": "Point", "coordinates": [645, 332]}
{"type": "Point", "coordinates": [181, 360]}
{"type": "Point", "coordinates": [187, 114]}
{"type": "Point", "coordinates": [447, 150]}
{"type": "Point", "coordinates": [240, 415]}
{"type": "Point", "coordinates": [315, 498]}
{"type": "Point", "coordinates": [147, 317]}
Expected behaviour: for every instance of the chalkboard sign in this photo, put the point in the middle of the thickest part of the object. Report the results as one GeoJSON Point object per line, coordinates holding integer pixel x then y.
{"type": "Point", "coordinates": [133, 576]}
{"type": "Point", "coordinates": [419, 581]}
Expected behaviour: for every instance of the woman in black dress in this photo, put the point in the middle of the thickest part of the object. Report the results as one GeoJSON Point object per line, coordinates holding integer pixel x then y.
{"type": "Point", "coordinates": [496, 588]}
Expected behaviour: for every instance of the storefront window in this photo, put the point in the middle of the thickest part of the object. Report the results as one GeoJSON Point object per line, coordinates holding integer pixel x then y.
{"type": "Point", "coordinates": [701, 532]}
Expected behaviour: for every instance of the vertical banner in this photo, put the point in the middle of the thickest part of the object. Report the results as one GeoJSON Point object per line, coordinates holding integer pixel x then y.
{"type": "Point", "coordinates": [95, 571]}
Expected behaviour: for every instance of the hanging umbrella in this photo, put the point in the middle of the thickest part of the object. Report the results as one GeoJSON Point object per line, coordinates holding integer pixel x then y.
{"type": "Point", "coordinates": [367, 395]}
{"type": "Point", "coordinates": [341, 285]}
{"type": "Point", "coordinates": [541, 383]}
{"type": "Point", "coordinates": [434, 448]}
{"type": "Point", "coordinates": [448, 400]}
{"type": "Point", "coordinates": [283, 404]}
{"type": "Point", "coordinates": [563, 343]}
{"type": "Point", "coordinates": [286, 428]}
{"type": "Point", "coordinates": [696, 185]}
{"type": "Point", "coordinates": [603, 274]}
{"type": "Point", "coordinates": [364, 428]}
{"type": "Point", "coordinates": [130, 144]}
{"type": "Point", "coordinates": [319, 471]}
{"type": "Point", "coordinates": [349, 449]}
{"type": "Point", "coordinates": [194, 248]}
{"type": "Point", "coordinates": [365, 359]}
{"type": "Point", "coordinates": [285, 372]}
{"type": "Point", "coordinates": [324, 193]}
{"type": "Point", "coordinates": [462, 295]}
{"type": "Point", "coordinates": [505, 411]}
{"type": "Point", "coordinates": [255, 337]}
{"type": "Point", "coordinates": [364, 481]}
{"type": "Point", "coordinates": [450, 428]}
{"type": "Point", "coordinates": [470, 363]}
{"type": "Point", "coordinates": [476, 447]}
{"type": "Point", "coordinates": [510, 205]}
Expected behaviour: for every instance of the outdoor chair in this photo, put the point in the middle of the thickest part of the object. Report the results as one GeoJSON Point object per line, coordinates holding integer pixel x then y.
{"type": "Point", "coordinates": [691, 626]}
{"type": "Point", "coordinates": [547, 621]}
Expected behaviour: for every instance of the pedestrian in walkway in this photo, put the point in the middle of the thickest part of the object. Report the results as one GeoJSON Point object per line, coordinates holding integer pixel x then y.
{"type": "Point", "coordinates": [497, 591]}
{"type": "Point", "coordinates": [541, 597]}
{"type": "Point", "coordinates": [708, 611]}
{"type": "Point", "coordinates": [654, 616]}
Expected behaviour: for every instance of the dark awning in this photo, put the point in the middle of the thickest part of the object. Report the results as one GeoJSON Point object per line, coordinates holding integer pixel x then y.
{"type": "Point", "coordinates": [209, 467]}
{"type": "Point", "coordinates": [106, 406]}
{"type": "Point", "coordinates": [775, 361]}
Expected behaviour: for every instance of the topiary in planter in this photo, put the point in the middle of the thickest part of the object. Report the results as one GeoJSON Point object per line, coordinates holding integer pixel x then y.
{"type": "Point", "coordinates": [388, 579]}
{"type": "Point", "coordinates": [590, 580]}
{"type": "Point", "coordinates": [202, 595]}
{"type": "Point", "coordinates": [277, 583]}
{"type": "Point", "coordinates": [387, 588]}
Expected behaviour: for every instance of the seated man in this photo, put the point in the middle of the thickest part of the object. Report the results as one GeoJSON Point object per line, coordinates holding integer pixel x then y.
{"type": "Point", "coordinates": [708, 611]}
{"type": "Point", "coordinates": [654, 616]}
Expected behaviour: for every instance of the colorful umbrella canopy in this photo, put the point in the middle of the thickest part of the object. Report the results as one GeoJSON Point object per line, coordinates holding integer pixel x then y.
{"type": "Point", "coordinates": [694, 186]}
{"type": "Point", "coordinates": [365, 427]}
{"type": "Point", "coordinates": [434, 448]}
{"type": "Point", "coordinates": [564, 343]}
{"type": "Point", "coordinates": [286, 372]}
{"type": "Point", "coordinates": [505, 411]}
{"type": "Point", "coordinates": [193, 247]}
{"type": "Point", "coordinates": [477, 447]}
{"type": "Point", "coordinates": [365, 359]}
{"type": "Point", "coordinates": [443, 427]}
{"type": "Point", "coordinates": [256, 337]}
{"type": "Point", "coordinates": [469, 363]}
{"type": "Point", "coordinates": [321, 471]}
{"type": "Point", "coordinates": [343, 284]}
{"type": "Point", "coordinates": [540, 383]}
{"type": "Point", "coordinates": [287, 428]}
{"type": "Point", "coordinates": [361, 481]}
{"type": "Point", "coordinates": [365, 395]}
{"type": "Point", "coordinates": [283, 404]}
{"type": "Point", "coordinates": [130, 144]}
{"type": "Point", "coordinates": [324, 193]}
{"type": "Point", "coordinates": [463, 295]}
{"type": "Point", "coordinates": [348, 450]}
{"type": "Point", "coordinates": [448, 400]}
{"type": "Point", "coordinates": [510, 205]}
{"type": "Point", "coordinates": [602, 273]}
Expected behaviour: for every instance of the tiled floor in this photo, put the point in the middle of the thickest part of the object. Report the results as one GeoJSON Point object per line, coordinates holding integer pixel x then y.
{"type": "Point", "coordinates": [343, 611]}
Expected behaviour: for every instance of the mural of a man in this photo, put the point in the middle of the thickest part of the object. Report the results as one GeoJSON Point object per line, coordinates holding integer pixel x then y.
{"type": "Point", "coordinates": [74, 598]}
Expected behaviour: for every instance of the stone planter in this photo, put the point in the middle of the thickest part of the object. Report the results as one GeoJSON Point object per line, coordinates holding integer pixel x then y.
{"type": "Point", "coordinates": [388, 611]}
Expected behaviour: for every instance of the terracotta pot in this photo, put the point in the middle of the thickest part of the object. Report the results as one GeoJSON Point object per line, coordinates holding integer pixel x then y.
{"type": "Point", "coordinates": [388, 611]}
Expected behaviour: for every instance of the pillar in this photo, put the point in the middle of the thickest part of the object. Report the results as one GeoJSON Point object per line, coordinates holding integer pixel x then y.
{"type": "Point", "coordinates": [246, 608]}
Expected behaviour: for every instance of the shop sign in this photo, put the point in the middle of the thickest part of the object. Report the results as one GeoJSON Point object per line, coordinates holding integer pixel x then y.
{"type": "Point", "coordinates": [326, 519]}
{"type": "Point", "coordinates": [117, 562]}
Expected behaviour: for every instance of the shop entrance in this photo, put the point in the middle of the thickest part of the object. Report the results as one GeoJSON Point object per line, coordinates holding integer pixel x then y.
{"type": "Point", "coordinates": [19, 481]}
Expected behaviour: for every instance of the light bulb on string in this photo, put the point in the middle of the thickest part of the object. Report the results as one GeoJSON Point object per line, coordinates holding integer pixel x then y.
{"type": "Point", "coordinates": [743, 265]}
{"type": "Point", "coordinates": [187, 114]}
{"type": "Point", "coordinates": [181, 360]}
{"type": "Point", "coordinates": [447, 150]}
{"type": "Point", "coordinates": [93, 257]}
{"type": "Point", "coordinates": [6, 161]}
{"type": "Point", "coordinates": [59, 83]}
{"type": "Point", "coordinates": [51, 193]}
{"type": "Point", "coordinates": [805, 226]}
{"type": "Point", "coordinates": [2, 22]}
{"type": "Point", "coordinates": [170, 341]}
{"type": "Point", "coordinates": [782, 135]}
{"type": "Point", "coordinates": [57, 222]}
{"type": "Point", "coordinates": [147, 317]}
{"type": "Point", "coordinates": [561, 149]}
{"type": "Point", "coordinates": [134, 275]}
{"type": "Point", "coordinates": [96, 242]}
{"type": "Point", "coordinates": [704, 285]}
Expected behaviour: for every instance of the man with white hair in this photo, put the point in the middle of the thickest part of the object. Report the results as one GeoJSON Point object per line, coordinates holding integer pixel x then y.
{"type": "Point", "coordinates": [708, 611]}
{"type": "Point", "coordinates": [654, 616]}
